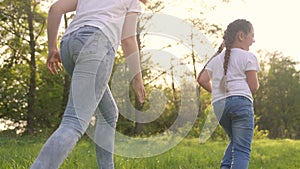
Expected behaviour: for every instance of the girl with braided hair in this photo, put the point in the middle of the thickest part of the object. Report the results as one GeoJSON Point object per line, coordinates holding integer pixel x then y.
{"type": "Point", "coordinates": [231, 77]}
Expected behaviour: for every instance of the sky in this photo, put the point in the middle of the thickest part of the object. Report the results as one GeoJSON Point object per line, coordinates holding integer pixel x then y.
{"type": "Point", "coordinates": [276, 22]}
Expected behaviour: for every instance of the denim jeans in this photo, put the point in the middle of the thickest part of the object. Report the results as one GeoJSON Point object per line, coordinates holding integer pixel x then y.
{"type": "Point", "coordinates": [236, 116]}
{"type": "Point", "coordinates": [87, 55]}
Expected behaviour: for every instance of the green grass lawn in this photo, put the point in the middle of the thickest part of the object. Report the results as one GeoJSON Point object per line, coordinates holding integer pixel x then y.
{"type": "Point", "coordinates": [19, 153]}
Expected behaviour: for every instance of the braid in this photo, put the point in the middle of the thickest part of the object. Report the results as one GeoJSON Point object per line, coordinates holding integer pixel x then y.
{"type": "Point", "coordinates": [226, 58]}
{"type": "Point", "coordinates": [220, 49]}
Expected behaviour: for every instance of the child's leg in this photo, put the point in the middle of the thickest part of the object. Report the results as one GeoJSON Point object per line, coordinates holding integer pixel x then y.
{"type": "Point", "coordinates": [57, 148]}
{"type": "Point", "coordinates": [89, 82]}
{"type": "Point", "coordinates": [225, 121]}
{"type": "Point", "coordinates": [242, 116]}
{"type": "Point", "coordinates": [107, 115]}
{"type": "Point", "coordinates": [227, 157]}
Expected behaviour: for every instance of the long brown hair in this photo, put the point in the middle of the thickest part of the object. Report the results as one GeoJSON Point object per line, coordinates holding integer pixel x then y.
{"type": "Point", "coordinates": [229, 36]}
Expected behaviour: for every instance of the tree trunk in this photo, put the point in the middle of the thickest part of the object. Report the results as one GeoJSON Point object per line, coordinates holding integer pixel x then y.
{"type": "Point", "coordinates": [138, 126]}
{"type": "Point", "coordinates": [195, 75]}
{"type": "Point", "coordinates": [175, 98]}
{"type": "Point", "coordinates": [32, 65]}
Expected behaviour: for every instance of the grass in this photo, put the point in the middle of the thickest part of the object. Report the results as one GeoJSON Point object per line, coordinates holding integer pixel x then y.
{"type": "Point", "coordinates": [19, 153]}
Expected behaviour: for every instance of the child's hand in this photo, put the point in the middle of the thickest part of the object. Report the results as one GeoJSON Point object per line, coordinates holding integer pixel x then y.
{"type": "Point", "coordinates": [53, 61]}
{"type": "Point", "coordinates": [139, 88]}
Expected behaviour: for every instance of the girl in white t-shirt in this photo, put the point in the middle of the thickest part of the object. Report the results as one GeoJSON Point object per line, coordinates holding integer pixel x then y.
{"type": "Point", "coordinates": [231, 77]}
{"type": "Point", "coordinates": [87, 51]}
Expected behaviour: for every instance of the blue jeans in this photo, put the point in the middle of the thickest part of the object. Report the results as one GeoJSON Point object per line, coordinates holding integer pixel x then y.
{"type": "Point", "coordinates": [88, 56]}
{"type": "Point", "coordinates": [236, 116]}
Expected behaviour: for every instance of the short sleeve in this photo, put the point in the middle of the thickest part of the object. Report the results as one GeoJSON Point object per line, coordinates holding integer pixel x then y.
{"type": "Point", "coordinates": [209, 66]}
{"type": "Point", "coordinates": [133, 6]}
{"type": "Point", "coordinates": [252, 63]}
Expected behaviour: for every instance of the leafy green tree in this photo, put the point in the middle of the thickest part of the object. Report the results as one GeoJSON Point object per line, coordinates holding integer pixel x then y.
{"type": "Point", "coordinates": [277, 101]}
{"type": "Point", "coordinates": [13, 104]}
{"type": "Point", "coordinates": [22, 26]}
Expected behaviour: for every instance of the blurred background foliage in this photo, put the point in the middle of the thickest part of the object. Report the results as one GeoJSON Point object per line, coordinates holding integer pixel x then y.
{"type": "Point", "coordinates": [32, 100]}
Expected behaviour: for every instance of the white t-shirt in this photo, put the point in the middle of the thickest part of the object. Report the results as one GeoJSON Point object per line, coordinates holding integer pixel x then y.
{"type": "Point", "coordinates": [108, 15]}
{"type": "Point", "coordinates": [240, 61]}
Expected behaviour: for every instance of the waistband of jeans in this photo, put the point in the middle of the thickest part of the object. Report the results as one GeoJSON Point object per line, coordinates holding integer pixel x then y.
{"type": "Point", "coordinates": [237, 97]}
{"type": "Point", "coordinates": [85, 27]}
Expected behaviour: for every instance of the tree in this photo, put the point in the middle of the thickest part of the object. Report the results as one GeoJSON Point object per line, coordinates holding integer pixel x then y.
{"type": "Point", "coordinates": [22, 25]}
{"type": "Point", "coordinates": [277, 101]}
{"type": "Point", "coordinates": [157, 6]}
{"type": "Point", "coordinates": [13, 103]}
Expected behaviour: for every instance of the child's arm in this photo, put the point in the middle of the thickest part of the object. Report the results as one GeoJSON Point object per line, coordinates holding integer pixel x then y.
{"type": "Point", "coordinates": [204, 80]}
{"type": "Point", "coordinates": [131, 52]}
{"type": "Point", "coordinates": [252, 80]}
{"type": "Point", "coordinates": [55, 13]}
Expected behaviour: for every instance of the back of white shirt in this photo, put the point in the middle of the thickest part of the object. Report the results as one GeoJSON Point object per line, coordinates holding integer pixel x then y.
{"type": "Point", "coordinates": [108, 15]}
{"type": "Point", "coordinates": [240, 61]}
